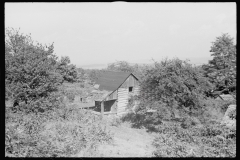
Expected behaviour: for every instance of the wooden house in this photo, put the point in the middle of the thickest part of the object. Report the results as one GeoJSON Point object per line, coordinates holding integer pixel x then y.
{"type": "Point", "coordinates": [118, 86]}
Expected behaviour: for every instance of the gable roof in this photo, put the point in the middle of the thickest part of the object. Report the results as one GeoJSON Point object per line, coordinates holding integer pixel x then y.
{"type": "Point", "coordinates": [111, 80]}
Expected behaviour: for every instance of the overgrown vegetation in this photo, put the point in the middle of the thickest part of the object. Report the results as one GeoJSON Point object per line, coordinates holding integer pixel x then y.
{"type": "Point", "coordinates": [38, 122]}
{"type": "Point", "coordinates": [32, 70]}
{"type": "Point", "coordinates": [221, 70]}
{"type": "Point", "coordinates": [174, 84]}
{"type": "Point", "coordinates": [175, 102]}
{"type": "Point", "coordinates": [212, 140]}
{"type": "Point", "coordinates": [63, 132]}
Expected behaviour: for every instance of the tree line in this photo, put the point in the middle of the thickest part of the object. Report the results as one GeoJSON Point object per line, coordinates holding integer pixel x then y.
{"type": "Point", "coordinates": [33, 71]}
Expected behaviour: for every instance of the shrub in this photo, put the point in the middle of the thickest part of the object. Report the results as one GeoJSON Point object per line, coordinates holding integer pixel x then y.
{"type": "Point", "coordinates": [48, 134]}
{"type": "Point", "coordinates": [189, 122]}
{"type": "Point", "coordinates": [71, 97]}
{"type": "Point", "coordinates": [167, 146]}
{"type": "Point", "coordinates": [136, 120]}
{"type": "Point", "coordinates": [219, 105]}
{"type": "Point", "coordinates": [82, 85]}
{"type": "Point", "coordinates": [115, 121]}
{"type": "Point", "coordinates": [131, 102]}
{"type": "Point", "coordinates": [213, 110]}
{"type": "Point", "coordinates": [212, 140]}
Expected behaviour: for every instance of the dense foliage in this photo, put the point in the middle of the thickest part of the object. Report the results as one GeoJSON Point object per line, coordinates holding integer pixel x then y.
{"type": "Point", "coordinates": [120, 66]}
{"type": "Point", "coordinates": [221, 70]}
{"type": "Point", "coordinates": [32, 71]}
{"type": "Point", "coordinates": [64, 132]}
{"type": "Point", "coordinates": [81, 75]}
{"type": "Point", "coordinates": [67, 70]}
{"type": "Point", "coordinates": [92, 75]}
{"type": "Point", "coordinates": [173, 83]}
{"type": "Point", "coordinates": [38, 121]}
{"type": "Point", "coordinates": [124, 66]}
{"type": "Point", "coordinates": [200, 135]}
{"type": "Point", "coordinates": [212, 140]}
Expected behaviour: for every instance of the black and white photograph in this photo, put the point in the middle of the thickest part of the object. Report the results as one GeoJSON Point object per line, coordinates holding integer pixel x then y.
{"type": "Point", "coordinates": [120, 79]}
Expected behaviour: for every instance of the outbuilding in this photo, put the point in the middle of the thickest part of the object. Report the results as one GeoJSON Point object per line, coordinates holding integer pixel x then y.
{"type": "Point", "coordinates": [119, 86]}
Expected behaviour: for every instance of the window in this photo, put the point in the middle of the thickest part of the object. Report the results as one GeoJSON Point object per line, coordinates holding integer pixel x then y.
{"type": "Point", "coordinates": [130, 89]}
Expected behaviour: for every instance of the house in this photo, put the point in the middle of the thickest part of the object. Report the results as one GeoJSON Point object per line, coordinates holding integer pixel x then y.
{"type": "Point", "coordinates": [118, 87]}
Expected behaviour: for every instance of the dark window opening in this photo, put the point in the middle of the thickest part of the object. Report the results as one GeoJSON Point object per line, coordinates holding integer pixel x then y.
{"type": "Point", "coordinates": [130, 89]}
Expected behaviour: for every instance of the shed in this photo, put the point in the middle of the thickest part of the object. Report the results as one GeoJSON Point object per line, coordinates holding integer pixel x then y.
{"type": "Point", "coordinates": [119, 85]}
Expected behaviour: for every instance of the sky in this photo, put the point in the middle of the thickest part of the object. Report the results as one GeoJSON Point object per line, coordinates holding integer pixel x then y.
{"type": "Point", "coordinates": [96, 34]}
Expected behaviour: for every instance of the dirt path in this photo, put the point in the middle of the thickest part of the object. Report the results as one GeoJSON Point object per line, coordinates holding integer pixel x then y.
{"type": "Point", "coordinates": [128, 142]}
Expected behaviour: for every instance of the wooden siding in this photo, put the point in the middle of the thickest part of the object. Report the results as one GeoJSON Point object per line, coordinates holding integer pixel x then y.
{"type": "Point", "coordinates": [118, 100]}
{"type": "Point", "coordinates": [136, 90]}
{"type": "Point", "coordinates": [131, 81]}
{"type": "Point", "coordinates": [122, 99]}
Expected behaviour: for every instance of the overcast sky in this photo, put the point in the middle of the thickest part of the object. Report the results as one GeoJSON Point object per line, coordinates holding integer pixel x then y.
{"type": "Point", "coordinates": [101, 33]}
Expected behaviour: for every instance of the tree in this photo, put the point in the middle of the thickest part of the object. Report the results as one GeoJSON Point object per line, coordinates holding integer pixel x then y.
{"type": "Point", "coordinates": [221, 70]}
{"type": "Point", "coordinates": [173, 83]}
{"type": "Point", "coordinates": [123, 66]}
{"type": "Point", "coordinates": [120, 66]}
{"type": "Point", "coordinates": [93, 75]}
{"type": "Point", "coordinates": [67, 70]}
{"type": "Point", "coordinates": [30, 70]}
{"type": "Point", "coordinates": [81, 74]}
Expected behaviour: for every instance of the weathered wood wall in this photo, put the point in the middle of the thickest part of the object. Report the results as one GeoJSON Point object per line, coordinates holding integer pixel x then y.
{"type": "Point", "coordinates": [122, 100]}
{"type": "Point", "coordinates": [131, 81]}
{"type": "Point", "coordinates": [136, 90]}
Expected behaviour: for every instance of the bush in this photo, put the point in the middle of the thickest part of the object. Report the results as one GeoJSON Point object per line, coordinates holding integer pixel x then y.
{"type": "Point", "coordinates": [213, 110]}
{"type": "Point", "coordinates": [136, 120]}
{"type": "Point", "coordinates": [115, 121]}
{"type": "Point", "coordinates": [189, 122]}
{"type": "Point", "coordinates": [82, 85]}
{"type": "Point", "coordinates": [168, 147]}
{"type": "Point", "coordinates": [220, 105]}
{"type": "Point", "coordinates": [208, 141]}
{"type": "Point", "coordinates": [71, 97]}
{"type": "Point", "coordinates": [49, 134]}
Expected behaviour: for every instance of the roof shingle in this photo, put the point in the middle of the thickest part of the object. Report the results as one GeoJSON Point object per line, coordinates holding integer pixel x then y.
{"type": "Point", "coordinates": [111, 80]}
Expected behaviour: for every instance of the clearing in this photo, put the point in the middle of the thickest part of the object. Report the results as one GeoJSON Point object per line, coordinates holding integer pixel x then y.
{"type": "Point", "coordinates": [127, 142]}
